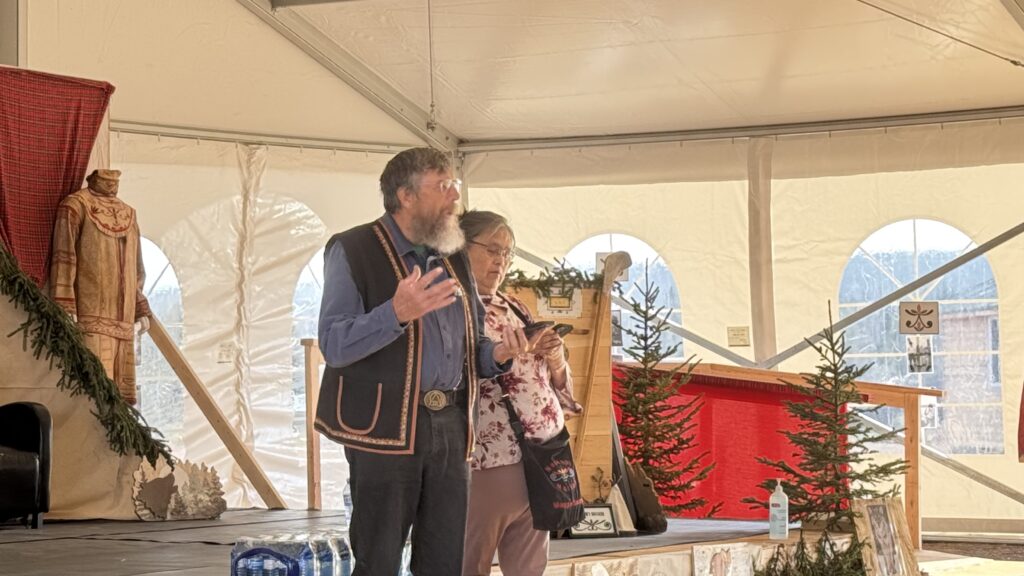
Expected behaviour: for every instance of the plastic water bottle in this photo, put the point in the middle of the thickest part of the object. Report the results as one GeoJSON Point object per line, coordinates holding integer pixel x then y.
{"type": "Point", "coordinates": [778, 514]}
{"type": "Point", "coordinates": [406, 570]}
{"type": "Point", "coordinates": [346, 497]}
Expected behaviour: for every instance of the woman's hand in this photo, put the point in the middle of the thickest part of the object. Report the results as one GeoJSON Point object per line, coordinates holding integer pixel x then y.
{"type": "Point", "coordinates": [552, 348]}
{"type": "Point", "coordinates": [514, 342]}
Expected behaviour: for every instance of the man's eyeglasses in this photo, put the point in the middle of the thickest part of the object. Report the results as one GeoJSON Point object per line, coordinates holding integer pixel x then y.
{"type": "Point", "coordinates": [449, 184]}
{"type": "Point", "coordinates": [505, 254]}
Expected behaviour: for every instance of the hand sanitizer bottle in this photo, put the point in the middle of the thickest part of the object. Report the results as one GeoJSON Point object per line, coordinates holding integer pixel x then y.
{"type": "Point", "coordinates": [778, 514]}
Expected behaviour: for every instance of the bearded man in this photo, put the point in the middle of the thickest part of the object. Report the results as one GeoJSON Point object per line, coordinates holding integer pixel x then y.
{"type": "Point", "coordinates": [400, 332]}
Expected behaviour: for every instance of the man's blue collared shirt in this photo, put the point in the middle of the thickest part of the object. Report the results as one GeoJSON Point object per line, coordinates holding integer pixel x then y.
{"type": "Point", "coordinates": [348, 332]}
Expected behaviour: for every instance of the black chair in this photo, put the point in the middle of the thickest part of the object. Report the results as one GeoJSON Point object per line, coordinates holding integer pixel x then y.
{"type": "Point", "coordinates": [25, 440]}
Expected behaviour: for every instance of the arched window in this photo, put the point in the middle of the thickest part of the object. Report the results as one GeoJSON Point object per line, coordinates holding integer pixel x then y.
{"type": "Point", "coordinates": [161, 395]}
{"type": "Point", "coordinates": [962, 360]}
{"type": "Point", "coordinates": [309, 290]}
{"type": "Point", "coordinates": [645, 259]}
{"type": "Point", "coordinates": [305, 316]}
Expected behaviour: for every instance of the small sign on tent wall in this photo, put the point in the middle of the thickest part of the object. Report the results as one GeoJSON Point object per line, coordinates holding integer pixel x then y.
{"type": "Point", "coordinates": [919, 317]}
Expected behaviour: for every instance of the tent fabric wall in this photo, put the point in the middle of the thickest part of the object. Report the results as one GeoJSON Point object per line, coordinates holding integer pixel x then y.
{"type": "Point", "coordinates": [820, 220]}
{"type": "Point", "coordinates": [699, 229]}
{"type": "Point", "coordinates": [829, 193]}
{"type": "Point", "coordinates": [238, 223]}
{"type": "Point", "coordinates": [706, 161]}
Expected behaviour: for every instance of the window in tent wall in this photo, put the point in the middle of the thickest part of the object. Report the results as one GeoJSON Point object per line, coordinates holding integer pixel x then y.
{"type": "Point", "coordinates": [161, 395]}
{"type": "Point", "coordinates": [965, 355]}
{"type": "Point", "coordinates": [305, 314]}
{"type": "Point", "coordinates": [583, 256]}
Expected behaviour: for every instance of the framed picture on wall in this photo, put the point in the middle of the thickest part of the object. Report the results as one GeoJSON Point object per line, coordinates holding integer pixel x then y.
{"type": "Point", "coordinates": [919, 354]}
{"type": "Point", "coordinates": [598, 521]}
{"type": "Point", "coordinates": [881, 524]}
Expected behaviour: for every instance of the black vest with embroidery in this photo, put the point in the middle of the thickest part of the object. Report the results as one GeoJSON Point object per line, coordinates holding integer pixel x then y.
{"type": "Point", "coordinates": [372, 404]}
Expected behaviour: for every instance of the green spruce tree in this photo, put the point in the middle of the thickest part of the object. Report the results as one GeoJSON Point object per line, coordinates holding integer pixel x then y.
{"type": "Point", "coordinates": [654, 430]}
{"type": "Point", "coordinates": [832, 444]}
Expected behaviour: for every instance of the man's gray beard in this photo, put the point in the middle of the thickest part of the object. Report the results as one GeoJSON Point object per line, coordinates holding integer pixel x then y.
{"type": "Point", "coordinates": [443, 235]}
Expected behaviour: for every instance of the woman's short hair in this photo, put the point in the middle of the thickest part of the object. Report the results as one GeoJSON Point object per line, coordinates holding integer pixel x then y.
{"type": "Point", "coordinates": [475, 223]}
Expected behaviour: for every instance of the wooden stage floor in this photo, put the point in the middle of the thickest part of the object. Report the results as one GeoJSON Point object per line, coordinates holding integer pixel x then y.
{"type": "Point", "coordinates": [202, 548]}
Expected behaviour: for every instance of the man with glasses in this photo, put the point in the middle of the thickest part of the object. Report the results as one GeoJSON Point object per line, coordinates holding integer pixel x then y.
{"type": "Point", "coordinates": [400, 330]}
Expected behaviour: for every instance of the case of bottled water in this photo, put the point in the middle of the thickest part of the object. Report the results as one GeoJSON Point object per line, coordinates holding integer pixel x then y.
{"type": "Point", "coordinates": [292, 555]}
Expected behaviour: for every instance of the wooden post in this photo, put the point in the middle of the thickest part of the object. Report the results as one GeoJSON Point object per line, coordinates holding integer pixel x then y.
{"type": "Point", "coordinates": [614, 264]}
{"type": "Point", "coordinates": [214, 415]}
{"type": "Point", "coordinates": [912, 453]}
{"type": "Point", "coordinates": [313, 360]}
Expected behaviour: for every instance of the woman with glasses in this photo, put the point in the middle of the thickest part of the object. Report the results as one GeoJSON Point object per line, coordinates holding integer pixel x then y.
{"type": "Point", "coordinates": [540, 388]}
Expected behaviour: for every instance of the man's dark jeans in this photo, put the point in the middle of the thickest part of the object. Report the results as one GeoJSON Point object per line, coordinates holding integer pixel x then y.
{"type": "Point", "coordinates": [427, 490]}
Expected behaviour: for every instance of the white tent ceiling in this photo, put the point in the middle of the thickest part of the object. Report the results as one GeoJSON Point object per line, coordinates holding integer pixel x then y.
{"type": "Point", "coordinates": [530, 69]}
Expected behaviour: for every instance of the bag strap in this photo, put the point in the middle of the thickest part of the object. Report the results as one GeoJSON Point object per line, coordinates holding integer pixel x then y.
{"type": "Point", "coordinates": [513, 418]}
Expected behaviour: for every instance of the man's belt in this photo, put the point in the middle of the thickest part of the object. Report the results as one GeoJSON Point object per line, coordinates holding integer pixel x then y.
{"type": "Point", "coordinates": [439, 399]}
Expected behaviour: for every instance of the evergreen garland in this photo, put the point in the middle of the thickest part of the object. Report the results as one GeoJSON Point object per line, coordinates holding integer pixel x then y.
{"type": "Point", "coordinates": [834, 463]}
{"type": "Point", "coordinates": [654, 430]}
{"type": "Point", "coordinates": [563, 276]}
{"type": "Point", "coordinates": [53, 335]}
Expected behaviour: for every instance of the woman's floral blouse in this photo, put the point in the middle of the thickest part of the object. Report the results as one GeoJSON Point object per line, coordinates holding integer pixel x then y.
{"type": "Point", "coordinates": [540, 405]}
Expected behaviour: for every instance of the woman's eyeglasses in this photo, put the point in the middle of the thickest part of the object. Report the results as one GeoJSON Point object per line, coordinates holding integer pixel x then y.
{"type": "Point", "coordinates": [505, 254]}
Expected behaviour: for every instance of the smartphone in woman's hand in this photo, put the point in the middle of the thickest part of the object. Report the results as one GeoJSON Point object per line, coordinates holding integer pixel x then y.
{"type": "Point", "coordinates": [562, 329]}
{"type": "Point", "coordinates": [534, 327]}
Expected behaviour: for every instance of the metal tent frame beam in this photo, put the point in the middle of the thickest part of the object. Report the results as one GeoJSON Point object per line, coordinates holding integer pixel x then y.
{"type": "Point", "coordinates": [276, 4]}
{"type": "Point", "coordinates": [188, 133]}
{"type": "Point", "coordinates": [350, 70]}
{"type": "Point", "coordinates": [950, 117]}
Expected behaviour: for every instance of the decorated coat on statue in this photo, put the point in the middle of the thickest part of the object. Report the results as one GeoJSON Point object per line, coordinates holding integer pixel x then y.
{"type": "Point", "coordinates": [97, 276]}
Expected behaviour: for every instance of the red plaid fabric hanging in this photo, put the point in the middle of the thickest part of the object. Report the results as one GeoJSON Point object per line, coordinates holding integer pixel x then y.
{"type": "Point", "coordinates": [48, 125]}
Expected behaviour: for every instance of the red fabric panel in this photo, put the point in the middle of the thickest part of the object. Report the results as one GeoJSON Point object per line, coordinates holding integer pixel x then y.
{"type": "Point", "coordinates": [1020, 431]}
{"type": "Point", "coordinates": [739, 422]}
{"type": "Point", "coordinates": [48, 125]}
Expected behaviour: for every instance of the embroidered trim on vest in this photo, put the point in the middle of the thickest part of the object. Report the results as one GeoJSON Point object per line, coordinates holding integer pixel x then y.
{"type": "Point", "coordinates": [415, 352]}
{"type": "Point", "coordinates": [470, 357]}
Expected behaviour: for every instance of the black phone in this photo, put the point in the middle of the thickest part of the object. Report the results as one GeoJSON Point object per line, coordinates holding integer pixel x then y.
{"type": "Point", "coordinates": [562, 329]}
{"type": "Point", "coordinates": [534, 327]}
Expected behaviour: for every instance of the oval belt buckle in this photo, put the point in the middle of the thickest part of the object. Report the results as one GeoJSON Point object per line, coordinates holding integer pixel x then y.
{"type": "Point", "coordinates": [435, 400]}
